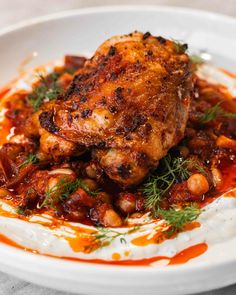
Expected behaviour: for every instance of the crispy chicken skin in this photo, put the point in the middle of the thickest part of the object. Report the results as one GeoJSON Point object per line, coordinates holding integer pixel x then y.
{"type": "Point", "coordinates": [129, 105]}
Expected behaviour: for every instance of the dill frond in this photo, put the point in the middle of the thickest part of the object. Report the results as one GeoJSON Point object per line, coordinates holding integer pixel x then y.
{"type": "Point", "coordinates": [170, 171]}
{"type": "Point", "coordinates": [180, 47]}
{"type": "Point", "coordinates": [214, 112]}
{"type": "Point", "coordinates": [31, 159]}
{"type": "Point", "coordinates": [48, 89]}
{"type": "Point", "coordinates": [62, 190]}
{"type": "Point", "coordinates": [21, 210]}
{"type": "Point", "coordinates": [179, 217]}
{"type": "Point", "coordinates": [106, 235]}
{"type": "Point", "coordinates": [159, 183]}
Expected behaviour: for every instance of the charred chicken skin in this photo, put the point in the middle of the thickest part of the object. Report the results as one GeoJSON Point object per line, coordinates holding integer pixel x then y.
{"type": "Point", "coordinates": [128, 104]}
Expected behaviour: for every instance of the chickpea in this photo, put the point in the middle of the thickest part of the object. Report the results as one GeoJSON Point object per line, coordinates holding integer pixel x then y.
{"type": "Point", "coordinates": [197, 184]}
{"type": "Point", "coordinates": [111, 218]}
{"type": "Point", "coordinates": [127, 203]}
{"type": "Point", "coordinates": [91, 184]}
{"type": "Point", "coordinates": [54, 180]}
{"type": "Point", "coordinates": [91, 171]}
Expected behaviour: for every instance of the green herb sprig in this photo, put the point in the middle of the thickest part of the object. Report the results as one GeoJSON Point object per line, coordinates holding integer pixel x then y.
{"type": "Point", "coordinates": [48, 89]}
{"type": "Point", "coordinates": [31, 159]}
{"type": "Point", "coordinates": [180, 47]}
{"type": "Point", "coordinates": [159, 183]}
{"type": "Point", "coordinates": [106, 235]}
{"type": "Point", "coordinates": [62, 190]}
{"type": "Point", "coordinates": [20, 210]}
{"type": "Point", "coordinates": [179, 217]}
{"type": "Point", "coordinates": [80, 183]}
{"type": "Point", "coordinates": [214, 112]}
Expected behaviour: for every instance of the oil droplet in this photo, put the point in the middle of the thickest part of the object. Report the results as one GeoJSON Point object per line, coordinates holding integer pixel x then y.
{"type": "Point", "coordinates": [127, 253]}
{"type": "Point", "coordinates": [116, 256]}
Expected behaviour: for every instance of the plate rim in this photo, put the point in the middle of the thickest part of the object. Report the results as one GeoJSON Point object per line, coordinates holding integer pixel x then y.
{"type": "Point", "coordinates": [112, 8]}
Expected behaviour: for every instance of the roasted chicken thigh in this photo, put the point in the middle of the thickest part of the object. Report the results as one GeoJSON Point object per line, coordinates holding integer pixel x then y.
{"type": "Point", "coordinates": [128, 105]}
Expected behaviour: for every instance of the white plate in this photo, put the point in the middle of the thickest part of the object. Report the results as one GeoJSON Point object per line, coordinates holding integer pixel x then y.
{"type": "Point", "coordinates": [81, 32]}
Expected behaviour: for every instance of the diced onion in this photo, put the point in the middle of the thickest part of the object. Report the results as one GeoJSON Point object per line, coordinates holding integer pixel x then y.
{"type": "Point", "coordinates": [61, 171]}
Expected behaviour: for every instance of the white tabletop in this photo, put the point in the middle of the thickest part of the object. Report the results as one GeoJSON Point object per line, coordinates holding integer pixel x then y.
{"type": "Point", "coordinates": [12, 11]}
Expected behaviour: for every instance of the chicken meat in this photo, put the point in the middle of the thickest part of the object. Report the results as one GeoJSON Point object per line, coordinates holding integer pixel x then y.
{"type": "Point", "coordinates": [128, 105]}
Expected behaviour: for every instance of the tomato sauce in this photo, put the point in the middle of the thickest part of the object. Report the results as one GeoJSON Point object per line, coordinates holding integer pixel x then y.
{"type": "Point", "coordinates": [160, 235]}
{"type": "Point", "coordinates": [180, 258]}
{"type": "Point", "coordinates": [199, 143]}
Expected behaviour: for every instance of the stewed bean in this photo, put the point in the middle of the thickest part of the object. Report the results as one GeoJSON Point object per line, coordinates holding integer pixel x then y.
{"type": "Point", "coordinates": [126, 203]}
{"type": "Point", "coordinates": [111, 218]}
{"type": "Point", "coordinates": [198, 184]}
{"type": "Point", "coordinates": [91, 184]}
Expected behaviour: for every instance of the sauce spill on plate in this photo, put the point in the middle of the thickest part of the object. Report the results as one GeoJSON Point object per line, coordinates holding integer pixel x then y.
{"type": "Point", "coordinates": [180, 258]}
